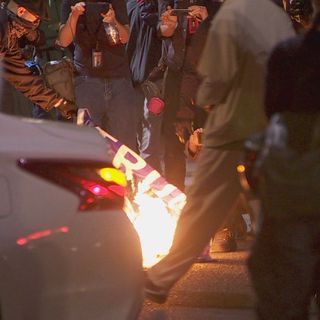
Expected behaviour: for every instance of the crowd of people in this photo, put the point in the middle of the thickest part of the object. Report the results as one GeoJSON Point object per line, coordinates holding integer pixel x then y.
{"type": "Point", "coordinates": [198, 78]}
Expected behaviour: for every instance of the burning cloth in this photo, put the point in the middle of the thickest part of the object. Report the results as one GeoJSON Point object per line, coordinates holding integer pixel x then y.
{"type": "Point", "coordinates": [156, 205]}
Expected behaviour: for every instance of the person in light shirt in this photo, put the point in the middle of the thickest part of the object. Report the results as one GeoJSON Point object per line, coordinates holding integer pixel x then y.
{"type": "Point", "coordinates": [233, 66]}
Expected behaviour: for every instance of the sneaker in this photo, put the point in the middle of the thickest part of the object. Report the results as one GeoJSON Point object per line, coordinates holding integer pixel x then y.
{"type": "Point", "coordinates": [205, 256]}
{"type": "Point", "coordinates": [224, 241]}
{"type": "Point", "coordinates": [204, 259]}
{"type": "Point", "coordinates": [154, 293]}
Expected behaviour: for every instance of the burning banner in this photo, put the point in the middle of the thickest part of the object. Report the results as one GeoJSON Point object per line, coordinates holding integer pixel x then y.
{"type": "Point", "coordinates": [156, 205]}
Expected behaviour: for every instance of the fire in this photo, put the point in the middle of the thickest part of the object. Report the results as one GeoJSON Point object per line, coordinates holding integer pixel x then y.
{"type": "Point", "coordinates": [155, 225]}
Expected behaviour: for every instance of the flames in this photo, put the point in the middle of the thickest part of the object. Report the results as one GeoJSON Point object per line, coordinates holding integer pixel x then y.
{"type": "Point", "coordinates": [154, 223]}
{"type": "Point", "coordinates": [147, 210]}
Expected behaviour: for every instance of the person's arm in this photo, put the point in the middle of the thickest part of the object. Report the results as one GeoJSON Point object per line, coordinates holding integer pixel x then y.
{"type": "Point", "coordinates": [194, 144]}
{"type": "Point", "coordinates": [68, 26]}
{"type": "Point", "coordinates": [199, 12]}
{"type": "Point", "coordinates": [219, 63]}
{"type": "Point", "coordinates": [168, 24]}
{"type": "Point", "coordinates": [110, 17]}
{"type": "Point", "coordinates": [36, 38]}
{"type": "Point", "coordinates": [33, 86]}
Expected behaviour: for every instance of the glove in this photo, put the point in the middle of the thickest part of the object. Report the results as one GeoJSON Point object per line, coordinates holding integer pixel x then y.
{"type": "Point", "coordinates": [67, 109]}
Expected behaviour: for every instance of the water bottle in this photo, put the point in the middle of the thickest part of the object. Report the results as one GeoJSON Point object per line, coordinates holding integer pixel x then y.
{"type": "Point", "coordinates": [112, 33]}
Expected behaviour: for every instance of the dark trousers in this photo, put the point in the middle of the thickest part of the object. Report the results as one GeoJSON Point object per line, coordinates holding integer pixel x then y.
{"type": "Point", "coordinates": [210, 200]}
{"type": "Point", "coordinates": [174, 156]}
{"type": "Point", "coordinates": [39, 113]}
{"type": "Point", "coordinates": [149, 133]}
{"type": "Point", "coordinates": [112, 104]}
{"type": "Point", "coordinates": [285, 267]}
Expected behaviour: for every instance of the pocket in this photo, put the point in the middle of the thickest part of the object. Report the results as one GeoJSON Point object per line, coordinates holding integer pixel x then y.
{"type": "Point", "coordinates": [59, 75]}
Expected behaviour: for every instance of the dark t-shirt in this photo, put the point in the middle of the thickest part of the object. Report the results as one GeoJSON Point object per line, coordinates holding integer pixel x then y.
{"type": "Point", "coordinates": [114, 59]}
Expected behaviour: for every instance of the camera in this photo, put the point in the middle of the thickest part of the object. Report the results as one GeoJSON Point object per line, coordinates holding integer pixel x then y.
{"type": "Point", "coordinates": [177, 12]}
{"type": "Point", "coordinates": [94, 9]}
{"type": "Point", "coordinates": [92, 17]}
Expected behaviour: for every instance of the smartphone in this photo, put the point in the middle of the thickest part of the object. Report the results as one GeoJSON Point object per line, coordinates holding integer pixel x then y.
{"type": "Point", "coordinates": [94, 9]}
{"type": "Point", "coordinates": [176, 12]}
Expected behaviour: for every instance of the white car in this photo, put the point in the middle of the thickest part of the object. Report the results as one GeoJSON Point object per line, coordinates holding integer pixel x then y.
{"type": "Point", "coordinates": [67, 250]}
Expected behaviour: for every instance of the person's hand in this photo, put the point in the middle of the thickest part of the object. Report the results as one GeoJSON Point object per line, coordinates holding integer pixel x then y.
{"type": "Point", "coordinates": [110, 16]}
{"type": "Point", "coordinates": [168, 19]}
{"type": "Point", "coordinates": [208, 108]}
{"type": "Point", "coordinates": [78, 9]}
{"type": "Point", "coordinates": [183, 130]}
{"type": "Point", "coordinates": [67, 108]}
{"type": "Point", "coordinates": [195, 143]}
{"type": "Point", "coordinates": [199, 12]}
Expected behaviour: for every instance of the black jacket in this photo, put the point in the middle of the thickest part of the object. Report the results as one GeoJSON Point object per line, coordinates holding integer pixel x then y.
{"type": "Point", "coordinates": [293, 76]}
{"type": "Point", "coordinates": [190, 78]}
{"type": "Point", "coordinates": [13, 68]}
{"type": "Point", "coordinates": [144, 46]}
{"type": "Point", "coordinates": [175, 47]}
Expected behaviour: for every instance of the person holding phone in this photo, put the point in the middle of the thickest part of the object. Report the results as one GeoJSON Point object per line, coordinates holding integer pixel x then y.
{"type": "Point", "coordinates": [100, 31]}
{"type": "Point", "coordinates": [233, 67]}
{"type": "Point", "coordinates": [144, 51]}
{"type": "Point", "coordinates": [179, 21]}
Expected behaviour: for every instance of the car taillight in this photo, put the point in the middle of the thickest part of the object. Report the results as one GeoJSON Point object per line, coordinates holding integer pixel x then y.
{"type": "Point", "coordinates": [98, 185]}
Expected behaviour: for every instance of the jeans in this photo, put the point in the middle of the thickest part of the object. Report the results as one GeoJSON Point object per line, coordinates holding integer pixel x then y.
{"type": "Point", "coordinates": [39, 113]}
{"type": "Point", "coordinates": [112, 104]}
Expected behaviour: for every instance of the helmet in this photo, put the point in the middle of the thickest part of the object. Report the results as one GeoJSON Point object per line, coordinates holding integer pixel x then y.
{"type": "Point", "coordinates": [37, 7]}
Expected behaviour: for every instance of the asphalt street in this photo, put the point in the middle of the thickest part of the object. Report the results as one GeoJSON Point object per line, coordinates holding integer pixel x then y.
{"type": "Point", "coordinates": [217, 290]}
{"type": "Point", "coordinates": [211, 291]}
{"type": "Point", "coordinates": [220, 290]}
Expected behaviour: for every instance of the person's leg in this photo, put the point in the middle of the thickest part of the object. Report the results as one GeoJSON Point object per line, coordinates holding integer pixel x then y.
{"type": "Point", "coordinates": [90, 94]}
{"type": "Point", "coordinates": [122, 111]}
{"type": "Point", "coordinates": [209, 200]}
{"type": "Point", "coordinates": [174, 156]}
{"type": "Point", "coordinates": [239, 225]}
{"type": "Point", "coordinates": [282, 266]}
